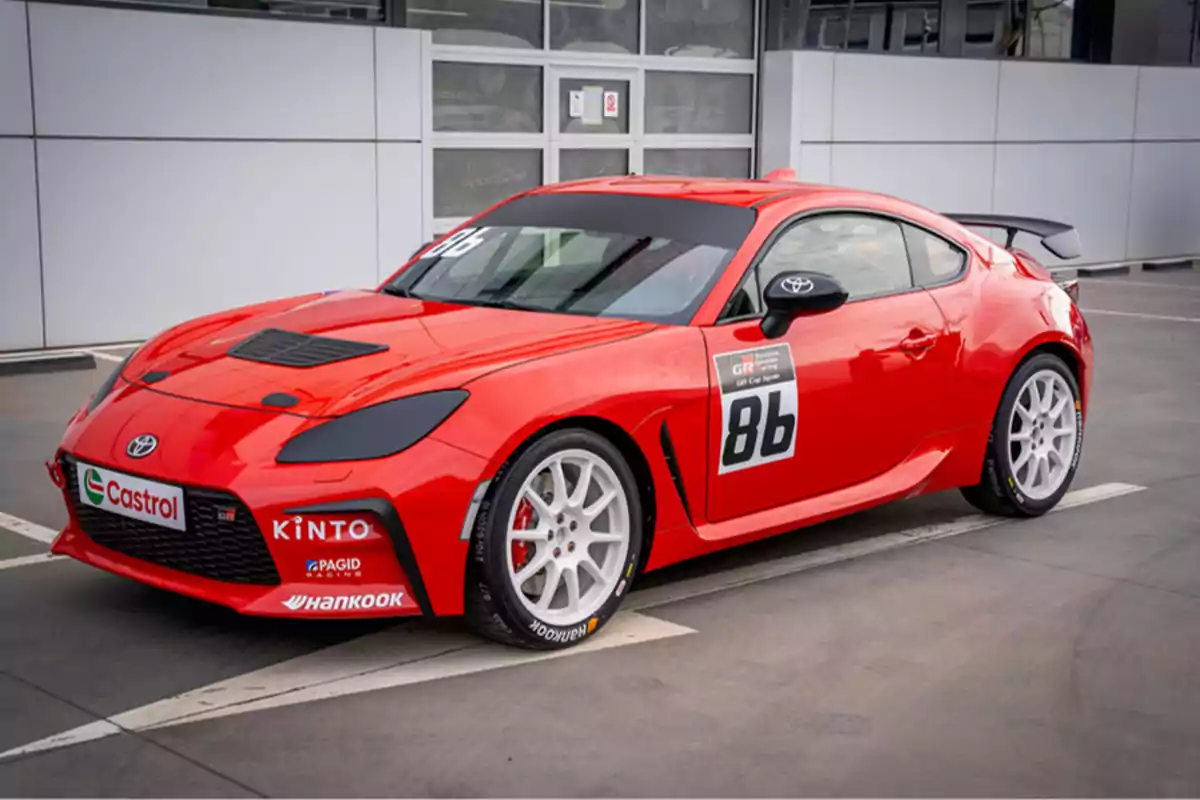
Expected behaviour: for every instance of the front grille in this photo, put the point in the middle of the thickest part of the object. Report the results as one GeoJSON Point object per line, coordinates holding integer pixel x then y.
{"type": "Point", "coordinates": [289, 349]}
{"type": "Point", "coordinates": [211, 547]}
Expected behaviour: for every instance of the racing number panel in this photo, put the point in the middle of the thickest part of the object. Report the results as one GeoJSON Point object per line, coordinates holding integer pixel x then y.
{"type": "Point", "coordinates": [758, 407]}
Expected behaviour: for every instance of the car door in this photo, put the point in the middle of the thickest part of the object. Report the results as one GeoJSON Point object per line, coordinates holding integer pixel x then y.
{"type": "Point", "coordinates": [842, 396]}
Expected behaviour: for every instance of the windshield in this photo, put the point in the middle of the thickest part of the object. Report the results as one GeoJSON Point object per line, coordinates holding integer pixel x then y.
{"type": "Point", "coordinates": [629, 267]}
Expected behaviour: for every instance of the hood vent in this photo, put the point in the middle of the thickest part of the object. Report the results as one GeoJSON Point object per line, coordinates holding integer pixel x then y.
{"type": "Point", "coordinates": [288, 349]}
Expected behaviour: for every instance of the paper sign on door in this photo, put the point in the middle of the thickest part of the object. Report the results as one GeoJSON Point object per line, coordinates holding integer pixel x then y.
{"type": "Point", "coordinates": [612, 104]}
{"type": "Point", "coordinates": [575, 110]}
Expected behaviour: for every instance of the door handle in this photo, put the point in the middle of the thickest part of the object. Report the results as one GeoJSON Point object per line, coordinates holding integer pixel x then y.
{"type": "Point", "coordinates": [918, 342]}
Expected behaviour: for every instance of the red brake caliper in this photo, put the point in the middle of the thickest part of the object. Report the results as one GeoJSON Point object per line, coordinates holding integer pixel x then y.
{"type": "Point", "coordinates": [521, 522]}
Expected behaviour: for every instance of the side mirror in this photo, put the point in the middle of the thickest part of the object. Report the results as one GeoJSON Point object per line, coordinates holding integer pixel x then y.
{"type": "Point", "coordinates": [793, 294]}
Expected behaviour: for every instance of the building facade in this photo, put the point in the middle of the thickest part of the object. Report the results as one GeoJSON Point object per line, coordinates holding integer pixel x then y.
{"type": "Point", "coordinates": [164, 159]}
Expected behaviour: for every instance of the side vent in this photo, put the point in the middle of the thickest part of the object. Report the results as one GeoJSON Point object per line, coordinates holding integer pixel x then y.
{"type": "Point", "coordinates": [668, 448]}
{"type": "Point", "coordinates": [288, 349]}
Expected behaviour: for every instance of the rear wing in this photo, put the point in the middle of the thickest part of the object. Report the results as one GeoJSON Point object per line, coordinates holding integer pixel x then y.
{"type": "Point", "coordinates": [1059, 238]}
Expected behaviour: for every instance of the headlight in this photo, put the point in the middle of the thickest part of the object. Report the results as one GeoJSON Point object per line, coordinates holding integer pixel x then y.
{"type": "Point", "coordinates": [109, 382]}
{"type": "Point", "coordinates": [373, 432]}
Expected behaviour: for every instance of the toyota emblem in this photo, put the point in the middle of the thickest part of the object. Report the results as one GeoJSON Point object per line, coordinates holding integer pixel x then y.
{"type": "Point", "coordinates": [141, 446]}
{"type": "Point", "coordinates": [797, 285]}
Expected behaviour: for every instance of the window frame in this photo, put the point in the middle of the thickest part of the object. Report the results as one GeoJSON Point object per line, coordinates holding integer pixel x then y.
{"type": "Point", "coordinates": [962, 251]}
{"type": "Point", "coordinates": [799, 218]}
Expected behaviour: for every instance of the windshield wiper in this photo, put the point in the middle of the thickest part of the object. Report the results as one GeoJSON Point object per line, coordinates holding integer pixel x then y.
{"type": "Point", "coordinates": [512, 305]}
{"type": "Point", "coordinates": [400, 291]}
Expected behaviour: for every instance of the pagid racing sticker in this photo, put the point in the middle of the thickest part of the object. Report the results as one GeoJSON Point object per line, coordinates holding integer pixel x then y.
{"type": "Point", "coordinates": [758, 407]}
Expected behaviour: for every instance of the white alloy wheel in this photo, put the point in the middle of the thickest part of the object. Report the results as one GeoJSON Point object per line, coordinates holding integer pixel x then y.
{"type": "Point", "coordinates": [568, 537]}
{"type": "Point", "coordinates": [1042, 432]}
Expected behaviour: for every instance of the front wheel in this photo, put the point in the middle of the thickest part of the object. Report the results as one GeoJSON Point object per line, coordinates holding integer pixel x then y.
{"type": "Point", "coordinates": [555, 544]}
{"type": "Point", "coordinates": [1034, 446]}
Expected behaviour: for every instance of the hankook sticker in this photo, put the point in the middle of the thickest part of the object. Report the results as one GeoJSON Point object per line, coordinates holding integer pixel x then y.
{"type": "Point", "coordinates": [758, 407]}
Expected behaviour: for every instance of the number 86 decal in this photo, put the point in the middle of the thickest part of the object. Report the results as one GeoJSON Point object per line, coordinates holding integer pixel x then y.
{"type": "Point", "coordinates": [758, 407]}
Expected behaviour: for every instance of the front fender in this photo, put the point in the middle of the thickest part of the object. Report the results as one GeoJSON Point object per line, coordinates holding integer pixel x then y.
{"type": "Point", "coordinates": [635, 384]}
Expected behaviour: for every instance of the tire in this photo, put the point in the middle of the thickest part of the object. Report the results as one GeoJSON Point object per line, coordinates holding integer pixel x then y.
{"type": "Point", "coordinates": [1011, 484]}
{"type": "Point", "coordinates": [556, 532]}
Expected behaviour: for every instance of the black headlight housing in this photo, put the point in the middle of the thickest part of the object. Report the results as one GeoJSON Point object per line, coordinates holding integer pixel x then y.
{"type": "Point", "coordinates": [376, 431]}
{"type": "Point", "coordinates": [105, 388]}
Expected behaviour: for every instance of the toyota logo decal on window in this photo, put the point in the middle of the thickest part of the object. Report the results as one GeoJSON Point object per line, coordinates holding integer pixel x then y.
{"type": "Point", "coordinates": [141, 446]}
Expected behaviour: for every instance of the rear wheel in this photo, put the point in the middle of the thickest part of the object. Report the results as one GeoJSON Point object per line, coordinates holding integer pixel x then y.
{"type": "Point", "coordinates": [555, 543]}
{"type": "Point", "coordinates": [1034, 446]}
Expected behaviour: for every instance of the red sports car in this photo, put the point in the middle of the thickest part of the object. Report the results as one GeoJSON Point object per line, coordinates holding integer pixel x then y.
{"type": "Point", "coordinates": [585, 382]}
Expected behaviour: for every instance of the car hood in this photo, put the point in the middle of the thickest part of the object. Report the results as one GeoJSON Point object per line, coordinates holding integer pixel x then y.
{"type": "Point", "coordinates": [430, 345]}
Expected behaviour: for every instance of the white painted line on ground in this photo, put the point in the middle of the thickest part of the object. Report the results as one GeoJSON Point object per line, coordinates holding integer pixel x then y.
{"type": "Point", "coordinates": [26, 528]}
{"type": "Point", "coordinates": [374, 662]}
{"type": "Point", "coordinates": [754, 573]}
{"type": "Point", "coordinates": [54, 351]}
{"type": "Point", "coordinates": [1173, 286]}
{"type": "Point", "coordinates": [12, 358]}
{"type": "Point", "coordinates": [104, 356]}
{"type": "Point", "coordinates": [1163, 317]}
{"type": "Point", "coordinates": [400, 656]}
{"type": "Point", "coordinates": [24, 561]}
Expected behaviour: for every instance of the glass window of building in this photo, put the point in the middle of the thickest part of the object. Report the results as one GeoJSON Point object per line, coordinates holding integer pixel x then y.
{"type": "Point", "coordinates": [466, 181]}
{"type": "Point", "coordinates": [995, 29]}
{"type": "Point", "coordinates": [698, 102]}
{"type": "Point", "coordinates": [610, 26]}
{"type": "Point", "coordinates": [490, 23]}
{"type": "Point", "coordinates": [574, 165]}
{"type": "Point", "coordinates": [700, 28]}
{"type": "Point", "coordinates": [1154, 32]}
{"type": "Point", "coordinates": [487, 97]}
{"type": "Point", "coordinates": [1050, 24]}
{"type": "Point", "coordinates": [707, 163]}
{"type": "Point", "coordinates": [896, 26]}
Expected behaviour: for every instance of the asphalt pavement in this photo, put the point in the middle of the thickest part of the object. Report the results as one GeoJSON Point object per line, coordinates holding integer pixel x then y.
{"type": "Point", "coordinates": [912, 650]}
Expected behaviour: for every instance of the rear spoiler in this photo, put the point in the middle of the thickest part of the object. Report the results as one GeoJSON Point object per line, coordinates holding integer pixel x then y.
{"type": "Point", "coordinates": [1059, 238]}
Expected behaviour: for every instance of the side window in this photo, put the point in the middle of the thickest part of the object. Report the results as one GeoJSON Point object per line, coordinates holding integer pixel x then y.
{"type": "Point", "coordinates": [866, 254]}
{"type": "Point", "coordinates": [934, 260]}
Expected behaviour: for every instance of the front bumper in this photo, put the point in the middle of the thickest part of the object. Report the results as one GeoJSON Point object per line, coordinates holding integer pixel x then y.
{"type": "Point", "coordinates": [401, 568]}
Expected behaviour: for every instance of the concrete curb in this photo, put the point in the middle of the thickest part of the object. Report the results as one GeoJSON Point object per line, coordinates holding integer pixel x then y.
{"type": "Point", "coordinates": [56, 362]}
{"type": "Point", "coordinates": [1111, 269]}
{"type": "Point", "coordinates": [1168, 266]}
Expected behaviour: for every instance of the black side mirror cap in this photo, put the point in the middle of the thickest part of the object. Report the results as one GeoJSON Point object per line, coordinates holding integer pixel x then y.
{"type": "Point", "coordinates": [793, 294]}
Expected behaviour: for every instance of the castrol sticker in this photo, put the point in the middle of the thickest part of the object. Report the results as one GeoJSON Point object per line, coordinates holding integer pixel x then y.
{"type": "Point", "coordinates": [132, 497]}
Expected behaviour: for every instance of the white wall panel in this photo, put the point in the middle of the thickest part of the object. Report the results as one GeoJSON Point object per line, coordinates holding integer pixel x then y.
{"type": "Point", "coordinates": [814, 72]}
{"type": "Point", "coordinates": [20, 282]}
{"type": "Point", "coordinates": [815, 163]}
{"type": "Point", "coordinates": [885, 98]}
{"type": "Point", "coordinates": [15, 113]}
{"type": "Point", "coordinates": [780, 139]}
{"type": "Point", "coordinates": [1047, 102]}
{"type": "Point", "coordinates": [398, 76]}
{"type": "Point", "coordinates": [141, 235]}
{"type": "Point", "coordinates": [1165, 200]}
{"type": "Point", "coordinates": [1086, 185]}
{"type": "Point", "coordinates": [108, 72]}
{"type": "Point", "coordinates": [400, 206]}
{"type": "Point", "coordinates": [943, 177]}
{"type": "Point", "coordinates": [1168, 103]}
